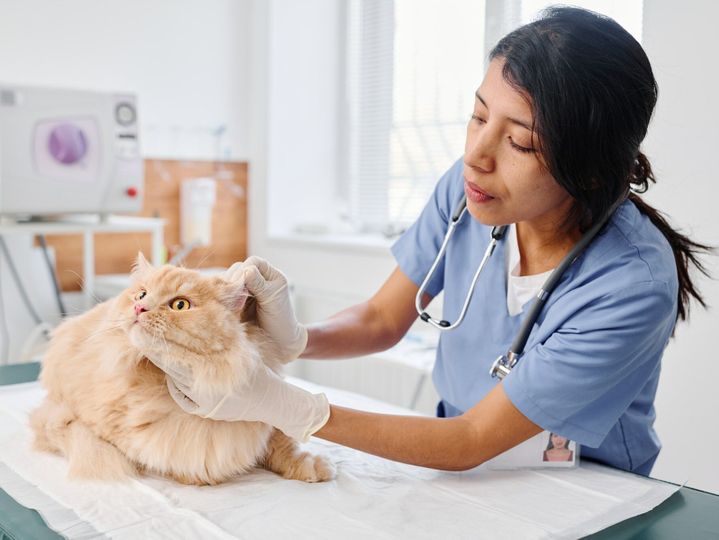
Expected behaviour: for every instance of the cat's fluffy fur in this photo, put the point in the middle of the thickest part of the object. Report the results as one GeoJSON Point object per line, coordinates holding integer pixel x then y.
{"type": "Point", "coordinates": [108, 409]}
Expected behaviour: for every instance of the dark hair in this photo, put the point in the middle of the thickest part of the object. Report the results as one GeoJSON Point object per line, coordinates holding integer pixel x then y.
{"type": "Point", "coordinates": [550, 444]}
{"type": "Point", "coordinates": [592, 93]}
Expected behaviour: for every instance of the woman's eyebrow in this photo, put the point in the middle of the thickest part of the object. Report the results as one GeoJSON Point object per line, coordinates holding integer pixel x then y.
{"type": "Point", "coordinates": [525, 125]}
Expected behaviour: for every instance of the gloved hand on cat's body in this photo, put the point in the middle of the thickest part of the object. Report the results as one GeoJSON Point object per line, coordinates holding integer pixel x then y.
{"type": "Point", "coordinates": [262, 397]}
{"type": "Point", "coordinates": [275, 315]}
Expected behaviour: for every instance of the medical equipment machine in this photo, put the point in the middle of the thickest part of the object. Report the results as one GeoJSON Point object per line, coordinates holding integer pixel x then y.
{"type": "Point", "coordinates": [504, 364]}
{"type": "Point", "coordinates": [68, 151]}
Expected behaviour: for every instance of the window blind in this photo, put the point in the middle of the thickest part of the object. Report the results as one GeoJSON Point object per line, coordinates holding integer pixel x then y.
{"type": "Point", "coordinates": [412, 69]}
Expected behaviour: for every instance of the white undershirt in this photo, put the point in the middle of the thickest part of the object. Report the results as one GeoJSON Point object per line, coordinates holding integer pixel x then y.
{"type": "Point", "coordinates": [520, 289]}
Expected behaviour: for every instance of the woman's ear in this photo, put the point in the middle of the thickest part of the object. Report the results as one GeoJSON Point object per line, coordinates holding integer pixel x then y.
{"type": "Point", "coordinates": [141, 268]}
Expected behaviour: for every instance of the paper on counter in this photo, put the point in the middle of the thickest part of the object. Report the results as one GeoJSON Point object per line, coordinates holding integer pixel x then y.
{"type": "Point", "coordinates": [370, 497]}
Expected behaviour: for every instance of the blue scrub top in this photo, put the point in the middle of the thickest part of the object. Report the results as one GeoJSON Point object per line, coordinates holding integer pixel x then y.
{"type": "Point", "coordinates": [590, 368]}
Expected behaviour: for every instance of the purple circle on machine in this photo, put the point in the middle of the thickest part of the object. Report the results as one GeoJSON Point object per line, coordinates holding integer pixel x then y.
{"type": "Point", "coordinates": [67, 143]}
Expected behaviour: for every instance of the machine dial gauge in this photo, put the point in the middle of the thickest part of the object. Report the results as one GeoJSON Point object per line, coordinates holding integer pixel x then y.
{"type": "Point", "coordinates": [125, 114]}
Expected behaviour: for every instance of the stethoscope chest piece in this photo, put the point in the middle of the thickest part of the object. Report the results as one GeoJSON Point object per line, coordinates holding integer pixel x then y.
{"type": "Point", "coordinates": [503, 365]}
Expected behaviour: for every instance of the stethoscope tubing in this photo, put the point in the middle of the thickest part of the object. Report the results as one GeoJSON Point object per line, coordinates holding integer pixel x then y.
{"type": "Point", "coordinates": [497, 234]}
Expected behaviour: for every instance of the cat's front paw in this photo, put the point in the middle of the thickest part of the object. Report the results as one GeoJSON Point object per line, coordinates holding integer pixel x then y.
{"type": "Point", "coordinates": [324, 469]}
{"type": "Point", "coordinates": [314, 469]}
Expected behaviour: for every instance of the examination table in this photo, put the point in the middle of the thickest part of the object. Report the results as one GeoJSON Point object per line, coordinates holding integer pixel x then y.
{"type": "Point", "coordinates": [371, 497]}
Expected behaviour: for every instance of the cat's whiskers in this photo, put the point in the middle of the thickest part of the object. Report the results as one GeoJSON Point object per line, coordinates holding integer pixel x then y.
{"type": "Point", "coordinates": [205, 257]}
{"type": "Point", "coordinates": [120, 319]}
{"type": "Point", "coordinates": [101, 331]}
{"type": "Point", "coordinates": [154, 337]}
{"type": "Point", "coordinates": [167, 347]}
{"type": "Point", "coordinates": [77, 311]}
{"type": "Point", "coordinates": [81, 282]}
{"type": "Point", "coordinates": [108, 328]}
{"type": "Point", "coordinates": [158, 333]}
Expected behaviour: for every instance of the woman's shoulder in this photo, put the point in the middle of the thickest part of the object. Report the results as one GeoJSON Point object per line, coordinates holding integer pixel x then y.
{"type": "Point", "coordinates": [627, 273]}
{"type": "Point", "coordinates": [631, 252]}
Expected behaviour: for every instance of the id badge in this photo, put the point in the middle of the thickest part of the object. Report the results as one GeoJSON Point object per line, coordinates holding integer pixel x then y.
{"type": "Point", "coordinates": [546, 450]}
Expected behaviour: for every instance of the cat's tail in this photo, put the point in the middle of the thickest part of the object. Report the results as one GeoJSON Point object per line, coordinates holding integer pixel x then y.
{"type": "Point", "coordinates": [57, 430]}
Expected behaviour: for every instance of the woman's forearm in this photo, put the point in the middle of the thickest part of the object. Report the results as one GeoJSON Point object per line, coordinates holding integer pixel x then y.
{"type": "Point", "coordinates": [489, 428]}
{"type": "Point", "coordinates": [356, 331]}
{"type": "Point", "coordinates": [438, 443]}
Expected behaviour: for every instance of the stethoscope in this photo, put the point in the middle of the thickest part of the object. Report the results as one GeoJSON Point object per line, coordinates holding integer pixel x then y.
{"type": "Point", "coordinates": [506, 362]}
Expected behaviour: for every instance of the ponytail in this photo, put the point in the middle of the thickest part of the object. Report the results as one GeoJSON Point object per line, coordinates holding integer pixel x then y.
{"type": "Point", "coordinates": [685, 250]}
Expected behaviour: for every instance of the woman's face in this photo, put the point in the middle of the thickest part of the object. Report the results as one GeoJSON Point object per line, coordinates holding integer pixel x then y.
{"type": "Point", "coordinates": [558, 441]}
{"type": "Point", "coordinates": [505, 178]}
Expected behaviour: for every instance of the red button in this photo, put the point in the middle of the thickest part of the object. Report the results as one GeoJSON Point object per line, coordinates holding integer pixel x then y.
{"type": "Point", "coordinates": [131, 192]}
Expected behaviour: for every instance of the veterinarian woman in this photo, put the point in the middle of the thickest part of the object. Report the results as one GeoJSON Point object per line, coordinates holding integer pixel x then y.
{"type": "Point", "coordinates": [553, 146]}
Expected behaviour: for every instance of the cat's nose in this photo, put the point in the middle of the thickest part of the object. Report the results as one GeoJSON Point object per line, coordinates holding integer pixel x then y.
{"type": "Point", "coordinates": [139, 309]}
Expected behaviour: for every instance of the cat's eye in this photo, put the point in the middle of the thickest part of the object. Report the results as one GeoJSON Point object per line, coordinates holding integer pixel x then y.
{"type": "Point", "coordinates": [140, 295]}
{"type": "Point", "coordinates": [180, 304]}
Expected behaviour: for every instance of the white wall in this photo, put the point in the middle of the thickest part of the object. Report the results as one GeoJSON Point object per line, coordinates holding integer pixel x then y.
{"type": "Point", "coordinates": [187, 60]}
{"type": "Point", "coordinates": [304, 67]}
{"type": "Point", "coordinates": [295, 75]}
{"type": "Point", "coordinates": [682, 145]}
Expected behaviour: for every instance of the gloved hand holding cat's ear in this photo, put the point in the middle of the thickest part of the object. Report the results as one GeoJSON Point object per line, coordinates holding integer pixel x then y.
{"type": "Point", "coordinates": [262, 397]}
{"type": "Point", "coordinates": [274, 310]}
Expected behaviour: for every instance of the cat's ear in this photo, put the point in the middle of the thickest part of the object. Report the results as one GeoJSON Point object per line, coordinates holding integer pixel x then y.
{"type": "Point", "coordinates": [141, 268]}
{"type": "Point", "coordinates": [235, 296]}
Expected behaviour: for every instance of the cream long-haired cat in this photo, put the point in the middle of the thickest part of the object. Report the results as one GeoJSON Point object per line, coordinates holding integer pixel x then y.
{"type": "Point", "coordinates": [108, 409]}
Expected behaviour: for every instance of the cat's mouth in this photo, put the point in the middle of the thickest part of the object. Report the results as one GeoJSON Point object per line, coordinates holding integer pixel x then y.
{"type": "Point", "coordinates": [139, 324]}
{"type": "Point", "coordinates": [135, 323]}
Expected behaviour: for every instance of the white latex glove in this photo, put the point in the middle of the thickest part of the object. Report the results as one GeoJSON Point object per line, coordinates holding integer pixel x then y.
{"type": "Point", "coordinates": [263, 397]}
{"type": "Point", "coordinates": [274, 310]}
